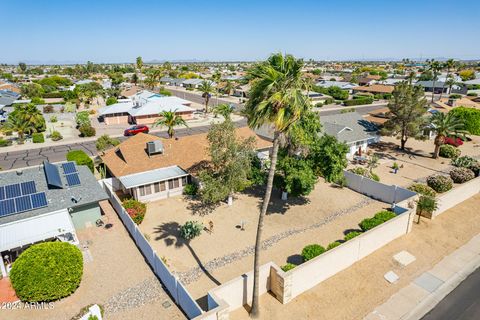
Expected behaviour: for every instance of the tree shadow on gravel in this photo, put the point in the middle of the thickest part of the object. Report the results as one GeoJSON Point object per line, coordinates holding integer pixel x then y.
{"type": "Point", "coordinates": [197, 207]}
{"type": "Point", "coordinates": [169, 232]}
{"type": "Point", "coordinates": [276, 205]}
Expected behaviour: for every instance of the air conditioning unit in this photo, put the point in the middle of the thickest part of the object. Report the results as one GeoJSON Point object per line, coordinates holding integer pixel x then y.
{"type": "Point", "coordinates": [154, 147]}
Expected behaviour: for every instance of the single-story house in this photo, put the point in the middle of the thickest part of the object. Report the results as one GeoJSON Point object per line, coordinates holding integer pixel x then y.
{"type": "Point", "coordinates": [316, 96]}
{"type": "Point", "coordinates": [369, 80]}
{"type": "Point", "coordinates": [195, 83]}
{"type": "Point", "coordinates": [241, 91]}
{"type": "Point", "coordinates": [169, 81]}
{"type": "Point", "coordinates": [341, 84]}
{"type": "Point", "coordinates": [374, 89]}
{"type": "Point", "coordinates": [7, 98]}
{"type": "Point", "coordinates": [441, 87]}
{"type": "Point", "coordinates": [352, 129]}
{"type": "Point", "coordinates": [48, 202]}
{"type": "Point", "coordinates": [151, 168]}
{"type": "Point", "coordinates": [144, 108]}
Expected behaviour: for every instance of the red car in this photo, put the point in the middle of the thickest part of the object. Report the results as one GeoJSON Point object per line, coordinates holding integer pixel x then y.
{"type": "Point", "coordinates": [136, 129]}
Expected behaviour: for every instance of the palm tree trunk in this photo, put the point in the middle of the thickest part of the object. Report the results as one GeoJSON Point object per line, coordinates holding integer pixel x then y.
{"type": "Point", "coordinates": [255, 312]}
{"type": "Point", "coordinates": [206, 103]}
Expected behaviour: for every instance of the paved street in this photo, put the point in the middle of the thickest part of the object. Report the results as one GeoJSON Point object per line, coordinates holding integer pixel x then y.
{"type": "Point", "coordinates": [32, 157]}
{"type": "Point", "coordinates": [463, 303]}
{"type": "Point", "coordinates": [197, 98]}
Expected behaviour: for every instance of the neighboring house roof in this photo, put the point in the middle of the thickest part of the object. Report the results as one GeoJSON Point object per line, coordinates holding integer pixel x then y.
{"type": "Point", "coordinates": [88, 191]}
{"type": "Point", "coordinates": [340, 84]}
{"type": "Point", "coordinates": [197, 82]}
{"type": "Point", "coordinates": [8, 97]}
{"type": "Point", "coordinates": [176, 81]}
{"type": "Point", "coordinates": [375, 88]}
{"type": "Point", "coordinates": [391, 81]}
{"type": "Point", "coordinates": [147, 103]}
{"type": "Point", "coordinates": [429, 84]}
{"type": "Point", "coordinates": [462, 102]}
{"type": "Point", "coordinates": [474, 81]}
{"type": "Point", "coordinates": [130, 156]}
{"type": "Point", "coordinates": [348, 127]}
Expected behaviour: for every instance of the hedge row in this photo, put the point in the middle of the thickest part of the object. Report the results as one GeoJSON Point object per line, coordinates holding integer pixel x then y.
{"type": "Point", "coordinates": [358, 101]}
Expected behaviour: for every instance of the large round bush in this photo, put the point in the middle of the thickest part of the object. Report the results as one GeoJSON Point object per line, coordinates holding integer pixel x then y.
{"type": "Point", "coordinates": [461, 175]}
{"type": "Point", "coordinates": [440, 183]}
{"type": "Point", "coordinates": [449, 151]}
{"type": "Point", "coordinates": [422, 189]}
{"type": "Point", "coordinates": [311, 251]}
{"type": "Point", "coordinates": [47, 271]}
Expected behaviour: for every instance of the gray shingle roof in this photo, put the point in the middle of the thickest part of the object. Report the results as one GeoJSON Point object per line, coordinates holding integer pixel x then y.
{"type": "Point", "coordinates": [89, 191]}
{"type": "Point", "coordinates": [348, 127]}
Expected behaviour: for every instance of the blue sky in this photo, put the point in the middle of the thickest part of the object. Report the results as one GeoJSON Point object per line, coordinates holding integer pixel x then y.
{"type": "Point", "coordinates": [119, 31]}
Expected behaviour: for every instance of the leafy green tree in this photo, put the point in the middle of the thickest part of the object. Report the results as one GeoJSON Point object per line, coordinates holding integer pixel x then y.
{"type": "Point", "coordinates": [170, 120]}
{"type": "Point", "coordinates": [134, 79]}
{"type": "Point", "coordinates": [328, 158]}
{"type": "Point", "coordinates": [27, 119]}
{"type": "Point", "coordinates": [20, 126]}
{"type": "Point", "coordinates": [470, 117]}
{"type": "Point", "coordinates": [22, 66]}
{"type": "Point", "coordinates": [32, 90]}
{"type": "Point", "coordinates": [449, 65]}
{"type": "Point", "coordinates": [294, 175]}
{"type": "Point", "coordinates": [150, 82]}
{"type": "Point", "coordinates": [407, 108]}
{"type": "Point", "coordinates": [139, 63]}
{"type": "Point", "coordinates": [435, 67]}
{"type": "Point", "coordinates": [444, 125]}
{"type": "Point", "coordinates": [224, 110]}
{"type": "Point", "coordinates": [276, 99]}
{"type": "Point", "coordinates": [466, 75]}
{"type": "Point", "coordinates": [206, 88]}
{"type": "Point", "coordinates": [230, 163]}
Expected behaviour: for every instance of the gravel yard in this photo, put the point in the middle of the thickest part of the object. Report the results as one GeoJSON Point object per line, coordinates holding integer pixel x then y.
{"type": "Point", "coordinates": [227, 252]}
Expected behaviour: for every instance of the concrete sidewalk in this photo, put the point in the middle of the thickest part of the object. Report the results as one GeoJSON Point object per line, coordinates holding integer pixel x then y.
{"type": "Point", "coordinates": [426, 291]}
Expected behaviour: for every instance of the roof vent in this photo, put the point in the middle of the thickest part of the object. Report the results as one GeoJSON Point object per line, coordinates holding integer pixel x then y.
{"type": "Point", "coordinates": [154, 147]}
{"type": "Point", "coordinates": [19, 172]}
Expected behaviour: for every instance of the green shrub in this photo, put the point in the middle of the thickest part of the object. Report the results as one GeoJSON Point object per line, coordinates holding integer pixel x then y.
{"type": "Point", "coordinates": [86, 130]}
{"type": "Point", "coordinates": [191, 229]}
{"type": "Point", "coordinates": [48, 109]}
{"type": "Point", "coordinates": [422, 189]}
{"type": "Point", "coordinates": [472, 94]}
{"type": "Point", "coordinates": [47, 271]}
{"type": "Point", "coordinates": [374, 176]}
{"type": "Point", "coordinates": [467, 162]}
{"type": "Point", "coordinates": [53, 119]}
{"type": "Point", "coordinates": [449, 151]}
{"type": "Point", "coordinates": [358, 101]}
{"type": "Point", "coordinates": [82, 118]}
{"type": "Point", "coordinates": [105, 142]}
{"type": "Point", "coordinates": [80, 158]}
{"type": "Point", "coordinates": [384, 215]}
{"type": "Point", "coordinates": [455, 96]}
{"type": "Point", "coordinates": [56, 136]}
{"type": "Point", "coordinates": [190, 189]}
{"type": "Point", "coordinates": [461, 175]}
{"type": "Point", "coordinates": [135, 209]}
{"type": "Point", "coordinates": [38, 137]}
{"type": "Point", "coordinates": [471, 118]}
{"type": "Point", "coordinates": [37, 100]}
{"type": "Point", "coordinates": [311, 251]}
{"type": "Point", "coordinates": [5, 142]}
{"type": "Point", "coordinates": [287, 267]}
{"type": "Point", "coordinates": [111, 100]}
{"type": "Point", "coordinates": [369, 223]}
{"type": "Point", "coordinates": [333, 245]}
{"type": "Point", "coordinates": [440, 183]}
{"type": "Point", "coordinates": [351, 235]}
{"type": "Point", "coordinates": [361, 171]}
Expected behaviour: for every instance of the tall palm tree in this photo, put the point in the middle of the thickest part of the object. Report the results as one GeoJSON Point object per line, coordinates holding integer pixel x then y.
{"type": "Point", "coordinates": [207, 89]}
{"type": "Point", "coordinates": [229, 87]}
{"type": "Point", "coordinates": [224, 110]}
{"type": "Point", "coordinates": [170, 120]}
{"type": "Point", "coordinates": [449, 65]}
{"type": "Point", "coordinates": [139, 63]}
{"type": "Point", "coordinates": [150, 82]}
{"type": "Point", "coordinates": [435, 67]}
{"type": "Point", "coordinates": [443, 125]}
{"type": "Point", "coordinates": [276, 100]}
{"type": "Point", "coordinates": [31, 115]}
{"type": "Point", "coordinates": [21, 126]}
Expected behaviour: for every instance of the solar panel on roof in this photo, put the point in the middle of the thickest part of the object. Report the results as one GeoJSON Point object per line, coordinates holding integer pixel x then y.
{"type": "Point", "coordinates": [73, 179]}
{"type": "Point", "coordinates": [28, 187]}
{"type": "Point", "coordinates": [12, 191]}
{"type": "Point", "coordinates": [39, 200]}
{"type": "Point", "coordinates": [69, 167]}
{"type": "Point", "coordinates": [52, 174]}
{"type": "Point", "coordinates": [2, 193]}
{"type": "Point", "coordinates": [7, 207]}
{"type": "Point", "coordinates": [23, 203]}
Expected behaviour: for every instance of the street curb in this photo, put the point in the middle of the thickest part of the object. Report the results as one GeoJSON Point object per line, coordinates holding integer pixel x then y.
{"type": "Point", "coordinates": [438, 295]}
